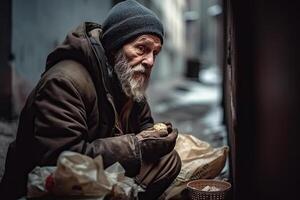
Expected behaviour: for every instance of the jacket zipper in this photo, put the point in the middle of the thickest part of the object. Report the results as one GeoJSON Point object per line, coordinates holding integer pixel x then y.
{"type": "Point", "coordinates": [117, 125]}
{"type": "Point", "coordinates": [108, 95]}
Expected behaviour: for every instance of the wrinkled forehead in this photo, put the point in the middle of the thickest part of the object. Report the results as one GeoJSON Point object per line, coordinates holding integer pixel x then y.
{"type": "Point", "coordinates": [148, 39]}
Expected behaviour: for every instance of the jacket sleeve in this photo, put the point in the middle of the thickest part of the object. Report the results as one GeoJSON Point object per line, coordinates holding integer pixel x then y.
{"type": "Point", "coordinates": [61, 124]}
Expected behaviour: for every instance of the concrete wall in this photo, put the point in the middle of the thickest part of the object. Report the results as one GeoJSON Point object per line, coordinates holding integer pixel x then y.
{"type": "Point", "coordinates": [5, 69]}
{"type": "Point", "coordinates": [170, 62]}
{"type": "Point", "coordinates": [202, 31]}
{"type": "Point", "coordinates": [37, 27]}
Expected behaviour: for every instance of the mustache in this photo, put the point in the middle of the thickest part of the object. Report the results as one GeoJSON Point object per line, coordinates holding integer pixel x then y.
{"type": "Point", "coordinates": [140, 69]}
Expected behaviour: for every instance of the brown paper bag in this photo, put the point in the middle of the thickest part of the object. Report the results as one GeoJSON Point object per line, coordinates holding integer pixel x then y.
{"type": "Point", "coordinates": [199, 161]}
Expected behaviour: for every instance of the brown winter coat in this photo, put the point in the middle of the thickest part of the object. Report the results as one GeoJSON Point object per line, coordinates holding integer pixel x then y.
{"type": "Point", "coordinates": [74, 107]}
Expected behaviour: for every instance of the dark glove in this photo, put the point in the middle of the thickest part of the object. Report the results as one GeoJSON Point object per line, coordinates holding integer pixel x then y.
{"type": "Point", "coordinates": [156, 144]}
{"type": "Point", "coordinates": [169, 126]}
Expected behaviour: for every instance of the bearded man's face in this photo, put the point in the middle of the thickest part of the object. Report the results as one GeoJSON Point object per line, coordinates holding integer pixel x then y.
{"type": "Point", "coordinates": [134, 63]}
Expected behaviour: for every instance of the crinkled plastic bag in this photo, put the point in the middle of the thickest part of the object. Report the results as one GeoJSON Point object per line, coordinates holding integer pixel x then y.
{"type": "Point", "coordinates": [199, 161]}
{"type": "Point", "coordinates": [38, 178]}
{"type": "Point", "coordinates": [81, 176]}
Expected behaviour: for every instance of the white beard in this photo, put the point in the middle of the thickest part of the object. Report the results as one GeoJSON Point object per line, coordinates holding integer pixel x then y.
{"type": "Point", "coordinates": [133, 79]}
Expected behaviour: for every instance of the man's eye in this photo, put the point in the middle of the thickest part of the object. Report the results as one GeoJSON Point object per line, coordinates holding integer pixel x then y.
{"type": "Point", "coordinates": [141, 49]}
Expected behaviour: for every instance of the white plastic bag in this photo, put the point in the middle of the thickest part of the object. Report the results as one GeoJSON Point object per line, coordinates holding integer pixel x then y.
{"type": "Point", "coordinates": [77, 175]}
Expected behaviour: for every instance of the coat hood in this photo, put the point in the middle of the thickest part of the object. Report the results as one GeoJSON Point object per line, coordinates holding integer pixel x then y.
{"type": "Point", "coordinates": [75, 47]}
{"type": "Point", "coordinates": [83, 45]}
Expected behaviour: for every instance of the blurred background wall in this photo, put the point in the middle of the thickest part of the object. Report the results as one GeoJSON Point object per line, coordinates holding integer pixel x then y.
{"type": "Point", "coordinates": [37, 28]}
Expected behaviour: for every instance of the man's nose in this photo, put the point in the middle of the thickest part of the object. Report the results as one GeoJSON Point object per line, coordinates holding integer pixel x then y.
{"type": "Point", "coordinates": [148, 60]}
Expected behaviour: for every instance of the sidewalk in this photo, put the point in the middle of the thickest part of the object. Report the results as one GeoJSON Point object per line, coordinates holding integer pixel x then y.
{"type": "Point", "coordinates": [192, 107]}
{"type": "Point", "coordinates": [7, 134]}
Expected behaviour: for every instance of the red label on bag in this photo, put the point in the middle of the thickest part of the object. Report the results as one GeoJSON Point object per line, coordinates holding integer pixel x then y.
{"type": "Point", "coordinates": [49, 183]}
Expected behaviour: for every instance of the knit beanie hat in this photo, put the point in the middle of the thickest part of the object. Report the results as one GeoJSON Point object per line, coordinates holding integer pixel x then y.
{"type": "Point", "coordinates": [127, 20]}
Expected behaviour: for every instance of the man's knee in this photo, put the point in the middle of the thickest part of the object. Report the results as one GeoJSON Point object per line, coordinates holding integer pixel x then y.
{"type": "Point", "coordinates": [170, 167]}
{"type": "Point", "coordinates": [165, 170]}
{"type": "Point", "coordinates": [175, 164]}
{"type": "Point", "coordinates": [157, 177]}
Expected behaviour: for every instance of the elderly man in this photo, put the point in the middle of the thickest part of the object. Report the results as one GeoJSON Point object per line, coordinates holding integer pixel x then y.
{"type": "Point", "coordinates": [91, 100]}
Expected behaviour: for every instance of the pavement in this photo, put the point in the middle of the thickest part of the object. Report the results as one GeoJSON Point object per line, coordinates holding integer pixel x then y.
{"type": "Point", "coordinates": [192, 107]}
{"type": "Point", "coordinates": [7, 134]}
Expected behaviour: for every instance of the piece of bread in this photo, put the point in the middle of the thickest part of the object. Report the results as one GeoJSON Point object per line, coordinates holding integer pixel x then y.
{"type": "Point", "coordinates": [160, 127]}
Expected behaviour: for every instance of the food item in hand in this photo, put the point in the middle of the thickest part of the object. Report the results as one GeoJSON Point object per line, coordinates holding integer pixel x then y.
{"type": "Point", "coordinates": [160, 127]}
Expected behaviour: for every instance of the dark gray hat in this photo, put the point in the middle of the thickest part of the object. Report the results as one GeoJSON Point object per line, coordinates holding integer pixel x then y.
{"type": "Point", "coordinates": [127, 20]}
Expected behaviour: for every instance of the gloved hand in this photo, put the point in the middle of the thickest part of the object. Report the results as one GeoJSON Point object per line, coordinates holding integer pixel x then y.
{"type": "Point", "coordinates": [155, 144]}
{"type": "Point", "coordinates": [169, 126]}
